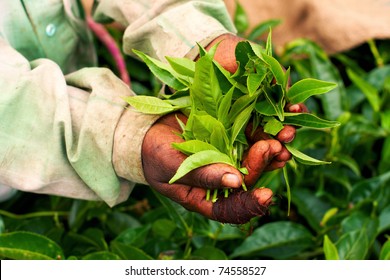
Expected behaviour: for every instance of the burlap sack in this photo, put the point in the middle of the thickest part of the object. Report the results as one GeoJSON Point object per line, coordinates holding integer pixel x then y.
{"type": "Point", "coordinates": [336, 25]}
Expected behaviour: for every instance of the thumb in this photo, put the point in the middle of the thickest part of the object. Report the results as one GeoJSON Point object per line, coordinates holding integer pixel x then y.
{"type": "Point", "coordinates": [213, 176]}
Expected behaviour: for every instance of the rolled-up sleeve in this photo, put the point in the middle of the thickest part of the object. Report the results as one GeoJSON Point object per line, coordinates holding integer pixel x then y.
{"type": "Point", "coordinates": [167, 27]}
{"type": "Point", "coordinates": [57, 132]}
{"type": "Point", "coordinates": [72, 135]}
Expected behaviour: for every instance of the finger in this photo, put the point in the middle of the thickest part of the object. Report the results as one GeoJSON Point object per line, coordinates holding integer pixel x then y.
{"type": "Point", "coordinates": [275, 165]}
{"type": "Point", "coordinates": [213, 176]}
{"type": "Point", "coordinates": [241, 206]}
{"type": "Point", "coordinates": [287, 134]}
{"type": "Point", "coordinates": [255, 135]}
{"type": "Point", "coordinates": [160, 154]}
{"type": "Point", "coordinates": [284, 155]}
{"type": "Point", "coordinates": [297, 108]}
{"type": "Point", "coordinates": [256, 161]}
{"type": "Point", "coordinates": [259, 157]}
{"type": "Point", "coordinates": [238, 208]}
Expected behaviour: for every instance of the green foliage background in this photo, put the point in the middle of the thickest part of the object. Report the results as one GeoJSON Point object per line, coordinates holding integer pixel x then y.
{"type": "Point", "coordinates": [338, 211]}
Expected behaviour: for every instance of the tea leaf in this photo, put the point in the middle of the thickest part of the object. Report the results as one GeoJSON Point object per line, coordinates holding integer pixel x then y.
{"type": "Point", "coordinates": [133, 235]}
{"type": "Point", "coordinates": [239, 105]}
{"type": "Point", "coordinates": [243, 53]}
{"type": "Point", "coordinates": [150, 104]}
{"type": "Point", "coordinates": [303, 158]}
{"type": "Point", "coordinates": [202, 50]}
{"type": "Point", "coordinates": [268, 44]}
{"type": "Point", "coordinates": [193, 146]}
{"type": "Point", "coordinates": [128, 252]}
{"type": "Point", "coordinates": [224, 107]}
{"type": "Point", "coordinates": [276, 69]}
{"type": "Point", "coordinates": [385, 251]}
{"type": "Point", "coordinates": [240, 19]}
{"type": "Point", "coordinates": [241, 120]}
{"type": "Point", "coordinates": [279, 240]}
{"type": "Point", "coordinates": [257, 49]}
{"type": "Point", "coordinates": [308, 120]}
{"type": "Point", "coordinates": [318, 65]}
{"type": "Point", "coordinates": [263, 27]}
{"type": "Point", "coordinates": [209, 253]}
{"type": "Point", "coordinates": [349, 162]}
{"type": "Point", "coordinates": [180, 102]}
{"type": "Point", "coordinates": [164, 228]}
{"type": "Point", "coordinates": [275, 98]}
{"type": "Point", "coordinates": [310, 206]}
{"type": "Point", "coordinates": [369, 90]}
{"type": "Point", "coordinates": [366, 188]}
{"type": "Point", "coordinates": [328, 215]}
{"type": "Point", "coordinates": [198, 160]}
{"type": "Point", "coordinates": [264, 107]}
{"type": "Point", "coordinates": [205, 89]}
{"type": "Point", "coordinates": [220, 139]}
{"type": "Point", "coordinates": [303, 89]}
{"type": "Point", "coordinates": [225, 79]}
{"type": "Point", "coordinates": [330, 249]}
{"type": "Point", "coordinates": [254, 81]}
{"type": "Point", "coordinates": [162, 71]}
{"type": "Point", "coordinates": [272, 126]}
{"type": "Point", "coordinates": [29, 246]}
{"type": "Point", "coordinates": [353, 245]}
{"type": "Point", "coordinates": [203, 126]}
{"type": "Point", "coordinates": [183, 66]}
{"type": "Point", "coordinates": [175, 211]}
{"type": "Point", "coordinates": [384, 220]}
{"type": "Point", "coordinates": [102, 255]}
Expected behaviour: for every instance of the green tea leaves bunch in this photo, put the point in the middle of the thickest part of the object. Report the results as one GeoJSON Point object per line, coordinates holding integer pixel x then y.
{"type": "Point", "coordinates": [220, 104]}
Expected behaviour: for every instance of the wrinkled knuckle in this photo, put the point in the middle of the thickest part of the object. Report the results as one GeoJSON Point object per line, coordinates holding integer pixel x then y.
{"type": "Point", "coordinates": [275, 146]}
{"type": "Point", "coordinates": [204, 177]}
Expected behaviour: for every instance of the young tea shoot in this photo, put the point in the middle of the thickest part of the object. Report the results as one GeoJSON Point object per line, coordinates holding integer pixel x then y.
{"type": "Point", "coordinates": [220, 104]}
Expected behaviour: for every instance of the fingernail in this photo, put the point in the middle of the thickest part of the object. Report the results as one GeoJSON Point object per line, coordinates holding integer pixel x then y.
{"type": "Point", "coordinates": [295, 108]}
{"type": "Point", "coordinates": [264, 196]}
{"type": "Point", "coordinates": [231, 180]}
{"type": "Point", "coordinates": [290, 139]}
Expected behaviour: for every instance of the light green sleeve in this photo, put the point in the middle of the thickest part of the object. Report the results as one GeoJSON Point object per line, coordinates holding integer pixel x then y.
{"type": "Point", "coordinates": [70, 135]}
{"type": "Point", "coordinates": [167, 27]}
{"type": "Point", "coordinates": [57, 134]}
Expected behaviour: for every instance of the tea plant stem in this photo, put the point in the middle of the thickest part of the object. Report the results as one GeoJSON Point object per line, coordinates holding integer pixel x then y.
{"type": "Point", "coordinates": [244, 186]}
{"type": "Point", "coordinates": [208, 195]}
{"type": "Point", "coordinates": [215, 196]}
{"type": "Point", "coordinates": [188, 248]}
{"type": "Point", "coordinates": [375, 53]}
{"type": "Point", "coordinates": [33, 215]}
{"type": "Point", "coordinates": [104, 36]}
{"type": "Point", "coordinates": [214, 236]}
{"type": "Point", "coordinates": [288, 190]}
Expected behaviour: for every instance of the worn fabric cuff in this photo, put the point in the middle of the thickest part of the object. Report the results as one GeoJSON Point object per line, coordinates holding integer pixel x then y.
{"type": "Point", "coordinates": [128, 139]}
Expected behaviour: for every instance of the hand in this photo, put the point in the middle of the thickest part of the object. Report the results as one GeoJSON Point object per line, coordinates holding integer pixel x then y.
{"type": "Point", "coordinates": [225, 54]}
{"type": "Point", "coordinates": [160, 162]}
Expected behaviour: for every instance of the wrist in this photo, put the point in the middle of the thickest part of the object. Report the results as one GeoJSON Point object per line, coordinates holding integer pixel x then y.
{"type": "Point", "coordinates": [128, 139]}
